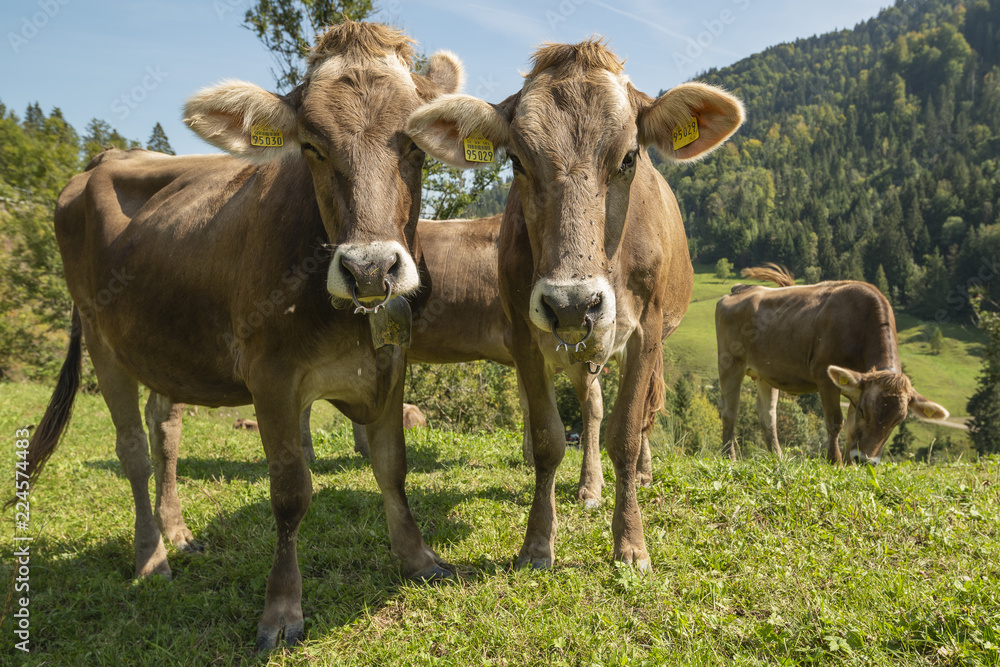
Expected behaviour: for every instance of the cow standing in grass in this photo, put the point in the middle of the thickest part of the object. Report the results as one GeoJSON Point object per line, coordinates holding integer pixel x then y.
{"type": "Point", "coordinates": [209, 279]}
{"type": "Point", "coordinates": [462, 319]}
{"type": "Point", "coordinates": [834, 337]}
{"type": "Point", "coordinates": [594, 263]}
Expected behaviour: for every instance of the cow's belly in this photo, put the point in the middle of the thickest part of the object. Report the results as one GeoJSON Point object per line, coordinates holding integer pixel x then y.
{"type": "Point", "coordinates": [784, 379]}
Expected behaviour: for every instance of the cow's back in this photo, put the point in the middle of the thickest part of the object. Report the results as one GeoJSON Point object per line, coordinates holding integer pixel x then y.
{"type": "Point", "coordinates": [789, 335]}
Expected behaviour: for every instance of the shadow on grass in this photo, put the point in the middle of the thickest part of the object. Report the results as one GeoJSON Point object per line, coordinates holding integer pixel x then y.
{"type": "Point", "coordinates": [420, 458]}
{"type": "Point", "coordinates": [87, 608]}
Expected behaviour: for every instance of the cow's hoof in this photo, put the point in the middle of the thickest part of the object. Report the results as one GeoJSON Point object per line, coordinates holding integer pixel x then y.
{"type": "Point", "coordinates": [433, 573]}
{"type": "Point", "coordinates": [535, 563]}
{"type": "Point", "coordinates": [267, 636]}
{"type": "Point", "coordinates": [591, 503]}
{"type": "Point", "coordinates": [190, 546]}
{"type": "Point", "coordinates": [644, 566]}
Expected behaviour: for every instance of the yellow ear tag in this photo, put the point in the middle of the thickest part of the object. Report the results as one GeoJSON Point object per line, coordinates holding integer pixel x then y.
{"type": "Point", "coordinates": [928, 413]}
{"type": "Point", "coordinates": [844, 380]}
{"type": "Point", "coordinates": [478, 148]}
{"type": "Point", "coordinates": [686, 133]}
{"type": "Point", "coordinates": [265, 136]}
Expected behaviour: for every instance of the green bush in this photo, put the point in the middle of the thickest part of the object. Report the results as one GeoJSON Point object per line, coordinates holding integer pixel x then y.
{"type": "Point", "coordinates": [467, 397]}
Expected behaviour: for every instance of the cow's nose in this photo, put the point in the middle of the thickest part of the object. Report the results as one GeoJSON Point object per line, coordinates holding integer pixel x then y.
{"type": "Point", "coordinates": [372, 272]}
{"type": "Point", "coordinates": [372, 277]}
{"type": "Point", "coordinates": [571, 314]}
{"type": "Point", "coordinates": [858, 457]}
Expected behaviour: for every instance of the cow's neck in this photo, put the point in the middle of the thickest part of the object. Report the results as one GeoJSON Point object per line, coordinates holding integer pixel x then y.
{"type": "Point", "coordinates": [882, 350]}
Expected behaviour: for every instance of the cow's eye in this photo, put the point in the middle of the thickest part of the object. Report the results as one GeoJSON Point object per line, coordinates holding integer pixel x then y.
{"type": "Point", "coordinates": [515, 163]}
{"type": "Point", "coordinates": [312, 149]}
{"type": "Point", "coordinates": [628, 162]}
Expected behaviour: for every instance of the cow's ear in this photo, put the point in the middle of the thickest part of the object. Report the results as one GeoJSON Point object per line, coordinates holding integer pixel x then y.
{"type": "Point", "coordinates": [444, 69]}
{"type": "Point", "coordinates": [925, 409]}
{"type": "Point", "coordinates": [442, 127]}
{"type": "Point", "coordinates": [847, 381]}
{"type": "Point", "coordinates": [688, 122]}
{"type": "Point", "coordinates": [245, 120]}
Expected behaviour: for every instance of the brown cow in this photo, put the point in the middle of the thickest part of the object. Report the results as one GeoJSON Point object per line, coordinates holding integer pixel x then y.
{"type": "Point", "coordinates": [834, 337]}
{"type": "Point", "coordinates": [594, 263]}
{"type": "Point", "coordinates": [209, 279]}
{"type": "Point", "coordinates": [462, 320]}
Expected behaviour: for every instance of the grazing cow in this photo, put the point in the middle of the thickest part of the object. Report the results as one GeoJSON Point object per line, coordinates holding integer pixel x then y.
{"type": "Point", "coordinates": [593, 262]}
{"type": "Point", "coordinates": [462, 320]}
{"type": "Point", "coordinates": [209, 279]}
{"type": "Point", "coordinates": [834, 337]}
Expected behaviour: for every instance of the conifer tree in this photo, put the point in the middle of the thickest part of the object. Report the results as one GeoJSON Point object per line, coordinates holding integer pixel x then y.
{"type": "Point", "coordinates": [984, 406]}
{"type": "Point", "coordinates": [158, 141]}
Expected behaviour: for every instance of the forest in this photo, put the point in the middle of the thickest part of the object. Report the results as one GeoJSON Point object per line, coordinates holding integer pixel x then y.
{"type": "Point", "coordinates": [869, 154]}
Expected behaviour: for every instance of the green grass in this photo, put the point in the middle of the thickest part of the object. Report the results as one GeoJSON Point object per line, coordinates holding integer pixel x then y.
{"type": "Point", "coordinates": [758, 562]}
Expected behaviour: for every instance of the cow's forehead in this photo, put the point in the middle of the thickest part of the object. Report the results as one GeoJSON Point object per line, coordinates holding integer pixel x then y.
{"type": "Point", "coordinates": [390, 65]}
{"type": "Point", "coordinates": [374, 98]}
{"type": "Point", "coordinates": [590, 109]}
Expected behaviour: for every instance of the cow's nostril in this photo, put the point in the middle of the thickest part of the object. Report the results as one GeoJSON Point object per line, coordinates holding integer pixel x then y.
{"type": "Point", "coordinates": [595, 305]}
{"type": "Point", "coordinates": [549, 312]}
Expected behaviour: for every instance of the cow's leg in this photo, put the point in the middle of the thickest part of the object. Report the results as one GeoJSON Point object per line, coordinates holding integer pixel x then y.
{"type": "Point", "coordinates": [278, 415]}
{"type": "Point", "coordinates": [526, 446]}
{"type": "Point", "coordinates": [387, 446]}
{"type": "Point", "coordinates": [644, 468]}
{"type": "Point", "coordinates": [588, 392]}
{"type": "Point", "coordinates": [730, 381]}
{"type": "Point", "coordinates": [164, 419]}
{"type": "Point", "coordinates": [834, 417]}
{"type": "Point", "coordinates": [306, 433]}
{"type": "Point", "coordinates": [767, 413]}
{"type": "Point", "coordinates": [548, 446]}
{"type": "Point", "coordinates": [624, 442]}
{"type": "Point", "coordinates": [360, 440]}
{"type": "Point", "coordinates": [121, 393]}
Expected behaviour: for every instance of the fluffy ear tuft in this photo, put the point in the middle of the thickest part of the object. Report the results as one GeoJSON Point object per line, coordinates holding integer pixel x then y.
{"type": "Point", "coordinates": [847, 381]}
{"type": "Point", "coordinates": [445, 70]}
{"type": "Point", "coordinates": [717, 115]}
{"type": "Point", "coordinates": [225, 115]}
{"type": "Point", "coordinates": [926, 409]}
{"type": "Point", "coordinates": [441, 127]}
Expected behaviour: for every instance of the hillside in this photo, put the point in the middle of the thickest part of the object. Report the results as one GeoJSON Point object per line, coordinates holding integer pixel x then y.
{"type": "Point", "coordinates": [870, 149]}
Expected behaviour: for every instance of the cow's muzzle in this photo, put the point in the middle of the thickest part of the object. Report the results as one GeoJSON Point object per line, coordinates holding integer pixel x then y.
{"type": "Point", "coordinates": [574, 311]}
{"type": "Point", "coordinates": [858, 457]}
{"type": "Point", "coordinates": [370, 274]}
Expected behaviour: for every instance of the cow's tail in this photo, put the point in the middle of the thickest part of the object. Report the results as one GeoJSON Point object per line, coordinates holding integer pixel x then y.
{"type": "Point", "coordinates": [656, 396]}
{"type": "Point", "coordinates": [50, 429]}
{"type": "Point", "coordinates": [779, 275]}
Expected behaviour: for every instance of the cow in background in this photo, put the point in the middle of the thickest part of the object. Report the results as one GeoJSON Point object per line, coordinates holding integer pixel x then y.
{"type": "Point", "coordinates": [834, 337]}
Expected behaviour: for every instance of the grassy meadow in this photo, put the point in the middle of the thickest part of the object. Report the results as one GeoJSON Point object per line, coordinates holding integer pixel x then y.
{"type": "Point", "coordinates": [758, 562]}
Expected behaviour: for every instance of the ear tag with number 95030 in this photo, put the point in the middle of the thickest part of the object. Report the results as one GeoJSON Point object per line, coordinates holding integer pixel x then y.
{"type": "Point", "coordinates": [265, 136]}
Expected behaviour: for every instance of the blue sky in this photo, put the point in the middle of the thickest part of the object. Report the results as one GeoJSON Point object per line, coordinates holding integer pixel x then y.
{"type": "Point", "coordinates": [134, 63]}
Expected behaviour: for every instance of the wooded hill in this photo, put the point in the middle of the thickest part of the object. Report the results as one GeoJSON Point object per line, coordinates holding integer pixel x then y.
{"type": "Point", "coordinates": [871, 154]}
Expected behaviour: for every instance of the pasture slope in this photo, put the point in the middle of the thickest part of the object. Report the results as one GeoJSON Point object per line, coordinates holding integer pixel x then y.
{"type": "Point", "coordinates": [757, 562]}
